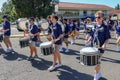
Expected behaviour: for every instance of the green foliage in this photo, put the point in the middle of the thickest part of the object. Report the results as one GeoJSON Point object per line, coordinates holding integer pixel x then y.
{"type": "Point", "coordinates": [9, 10]}
{"type": "Point", "coordinates": [0, 19]}
{"type": "Point", "coordinates": [28, 8]}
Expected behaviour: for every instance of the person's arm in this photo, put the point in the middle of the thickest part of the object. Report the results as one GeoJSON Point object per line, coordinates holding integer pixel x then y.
{"type": "Point", "coordinates": [89, 39]}
{"type": "Point", "coordinates": [60, 36]}
{"type": "Point", "coordinates": [105, 43]}
{"type": "Point", "coordinates": [107, 37]}
{"type": "Point", "coordinates": [5, 30]}
{"type": "Point", "coordinates": [26, 32]}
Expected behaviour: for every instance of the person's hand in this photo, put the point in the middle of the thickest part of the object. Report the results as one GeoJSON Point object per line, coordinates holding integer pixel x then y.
{"type": "Point", "coordinates": [31, 35]}
{"type": "Point", "coordinates": [49, 37]}
{"type": "Point", "coordinates": [86, 42]}
{"type": "Point", "coordinates": [55, 40]}
{"type": "Point", "coordinates": [103, 47]}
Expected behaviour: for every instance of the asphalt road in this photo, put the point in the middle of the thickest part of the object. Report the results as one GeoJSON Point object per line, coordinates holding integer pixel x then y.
{"type": "Point", "coordinates": [14, 66]}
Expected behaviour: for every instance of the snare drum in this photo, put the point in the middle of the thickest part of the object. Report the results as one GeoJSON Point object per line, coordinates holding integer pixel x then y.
{"type": "Point", "coordinates": [46, 48]}
{"type": "Point", "coordinates": [1, 37]}
{"type": "Point", "coordinates": [89, 56]}
{"type": "Point", "coordinates": [24, 42]}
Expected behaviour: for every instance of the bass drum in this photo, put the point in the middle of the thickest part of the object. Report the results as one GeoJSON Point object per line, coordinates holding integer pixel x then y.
{"type": "Point", "coordinates": [44, 24]}
{"type": "Point", "coordinates": [21, 24]}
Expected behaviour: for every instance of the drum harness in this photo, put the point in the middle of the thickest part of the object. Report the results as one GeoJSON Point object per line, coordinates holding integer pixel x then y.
{"type": "Point", "coordinates": [95, 41]}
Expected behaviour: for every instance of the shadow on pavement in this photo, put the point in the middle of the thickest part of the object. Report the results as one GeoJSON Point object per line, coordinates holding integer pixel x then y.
{"type": "Point", "coordinates": [110, 60]}
{"type": "Point", "coordinates": [112, 43]}
{"type": "Point", "coordinates": [14, 56]}
{"type": "Point", "coordinates": [67, 73]}
{"type": "Point", "coordinates": [72, 52]}
{"type": "Point", "coordinates": [102, 78]}
{"type": "Point", "coordinates": [79, 44]}
{"type": "Point", "coordinates": [41, 64]}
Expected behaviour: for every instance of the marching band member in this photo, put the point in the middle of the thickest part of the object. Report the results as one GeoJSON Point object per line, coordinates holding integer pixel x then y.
{"type": "Point", "coordinates": [33, 33]}
{"type": "Point", "coordinates": [103, 35]}
{"type": "Point", "coordinates": [49, 37]}
{"type": "Point", "coordinates": [77, 29]}
{"type": "Point", "coordinates": [118, 36]}
{"type": "Point", "coordinates": [115, 24]}
{"type": "Point", "coordinates": [72, 31]}
{"type": "Point", "coordinates": [87, 30]}
{"type": "Point", "coordinates": [110, 23]}
{"type": "Point", "coordinates": [57, 35]}
{"type": "Point", "coordinates": [7, 32]}
{"type": "Point", "coordinates": [66, 34]}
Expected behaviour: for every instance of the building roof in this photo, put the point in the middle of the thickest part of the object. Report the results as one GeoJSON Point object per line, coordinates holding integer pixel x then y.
{"type": "Point", "coordinates": [78, 6]}
{"type": "Point", "coordinates": [115, 12]}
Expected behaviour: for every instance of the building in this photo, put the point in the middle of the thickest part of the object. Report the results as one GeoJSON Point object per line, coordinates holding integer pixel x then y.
{"type": "Point", "coordinates": [115, 14]}
{"type": "Point", "coordinates": [80, 11]}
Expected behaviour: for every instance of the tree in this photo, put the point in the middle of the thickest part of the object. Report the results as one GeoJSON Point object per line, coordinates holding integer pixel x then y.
{"type": "Point", "coordinates": [117, 7]}
{"type": "Point", "coordinates": [9, 10]}
{"type": "Point", "coordinates": [28, 8]}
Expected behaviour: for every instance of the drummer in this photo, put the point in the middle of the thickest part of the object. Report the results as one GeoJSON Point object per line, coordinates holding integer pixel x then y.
{"type": "Point", "coordinates": [87, 30]}
{"type": "Point", "coordinates": [72, 31]}
{"type": "Point", "coordinates": [66, 35]}
{"type": "Point", "coordinates": [33, 34]}
{"type": "Point", "coordinates": [49, 28]}
{"type": "Point", "coordinates": [103, 37]}
{"type": "Point", "coordinates": [57, 35]}
{"type": "Point", "coordinates": [118, 36]}
{"type": "Point", "coordinates": [7, 32]}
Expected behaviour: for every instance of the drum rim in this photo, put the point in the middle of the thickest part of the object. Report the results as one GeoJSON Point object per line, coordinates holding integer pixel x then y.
{"type": "Point", "coordinates": [45, 46]}
{"type": "Point", "coordinates": [23, 39]}
{"type": "Point", "coordinates": [89, 53]}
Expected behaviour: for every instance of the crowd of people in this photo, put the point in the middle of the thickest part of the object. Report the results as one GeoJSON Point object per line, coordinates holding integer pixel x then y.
{"type": "Point", "coordinates": [96, 31]}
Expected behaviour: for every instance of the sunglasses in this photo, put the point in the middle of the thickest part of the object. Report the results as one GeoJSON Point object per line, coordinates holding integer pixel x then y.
{"type": "Point", "coordinates": [98, 17]}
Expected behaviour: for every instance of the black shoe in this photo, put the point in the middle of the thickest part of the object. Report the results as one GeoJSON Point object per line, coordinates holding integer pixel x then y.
{"type": "Point", "coordinates": [36, 56]}
{"type": "Point", "coordinates": [30, 58]}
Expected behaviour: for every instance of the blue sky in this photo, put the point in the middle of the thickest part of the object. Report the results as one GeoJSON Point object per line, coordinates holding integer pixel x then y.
{"type": "Point", "coordinates": [111, 3]}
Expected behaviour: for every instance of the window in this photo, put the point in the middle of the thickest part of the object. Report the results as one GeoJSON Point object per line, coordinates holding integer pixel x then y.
{"type": "Point", "coordinates": [85, 13]}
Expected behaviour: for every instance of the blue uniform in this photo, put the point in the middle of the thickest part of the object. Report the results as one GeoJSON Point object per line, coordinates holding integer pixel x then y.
{"type": "Point", "coordinates": [85, 25]}
{"type": "Point", "coordinates": [57, 31]}
{"type": "Point", "coordinates": [66, 31]}
{"type": "Point", "coordinates": [34, 30]}
{"type": "Point", "coordinates": [102, 33]}
{"type": "Point", "coordinates": [110, 22]}
{"type": "Point", "coordinates": [78, 26]}
{"type": "Point", "coordinates": [6, 25]}
{"type": "Point", "coordinates": [117, 30]}
{"type": "Point", "coordinates": [72, 27]}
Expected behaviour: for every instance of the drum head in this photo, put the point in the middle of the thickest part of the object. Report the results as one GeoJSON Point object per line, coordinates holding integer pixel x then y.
{"type": "Point", "coordinates": [46, 44]}
{"type": "Point", "coordinates": [89, 50]}
{"type": "Point", "coordinates": [44, 24]}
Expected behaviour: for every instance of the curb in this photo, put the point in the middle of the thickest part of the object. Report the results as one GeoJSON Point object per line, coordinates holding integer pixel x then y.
{"type": "Point", "coordinates": [21, 36]}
